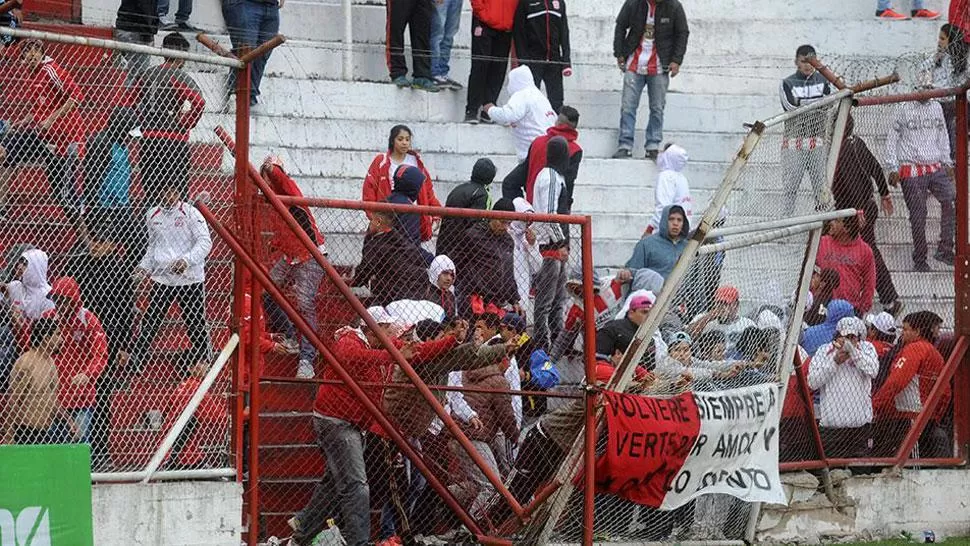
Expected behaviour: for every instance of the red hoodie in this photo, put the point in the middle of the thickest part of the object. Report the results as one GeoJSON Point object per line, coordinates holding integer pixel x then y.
{"type": "Point", "coordinates": [285, 240]}
{"type": "Point", "coordinates": [857, 270]}
{"type": "Point", "coordinates": [918, 362]}
{"type": "Point", "coordinates": [365, 365]}
{"type": "Point", "coordinates": [377, 186]}
{"type": "Point", "coordinates": [85, 348]}
{"type": "Point", "coordinates": [960, 16]}
{"type": "Point", "coordinates": [537, 152]}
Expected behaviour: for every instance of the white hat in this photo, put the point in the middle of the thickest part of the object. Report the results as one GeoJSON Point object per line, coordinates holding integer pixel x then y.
{"type": "Point", "coordinates": [380, 315]}
{"type": "Point", "coordinates": [884, 322]}
{"type": "Point", "coordinates": [852, 326]}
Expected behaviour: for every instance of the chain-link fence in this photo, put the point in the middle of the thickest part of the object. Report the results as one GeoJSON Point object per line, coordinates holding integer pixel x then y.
{"type": "Point", "coordinates": [115, 296]}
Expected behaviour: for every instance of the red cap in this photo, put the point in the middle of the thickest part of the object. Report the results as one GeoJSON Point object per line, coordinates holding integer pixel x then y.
{"type": "Point", "coordinates": [727, 294]}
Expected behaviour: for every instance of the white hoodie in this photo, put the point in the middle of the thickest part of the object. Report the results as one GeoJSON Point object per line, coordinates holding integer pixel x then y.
{"type": "Point", "coordinates": [176, 233]}
{"type": "Point", "coordinates": [30, 293]}
{"type": "Point", "coordinates": [845, 390]}
{"type": "Point", "coordinates": [528, 111]}
{"type": "Point", "coordinates": [672, 187]}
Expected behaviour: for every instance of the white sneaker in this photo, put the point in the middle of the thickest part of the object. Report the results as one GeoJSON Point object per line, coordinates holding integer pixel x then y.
{"type": "Point", "coordinates": [305, 370]}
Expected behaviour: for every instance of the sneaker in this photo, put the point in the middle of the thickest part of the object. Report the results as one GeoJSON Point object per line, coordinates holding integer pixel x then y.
{"type": "Point", "coordinates": [185, 26]}
{"type": "Point", "coordinates": [925, 14]}
{"type": "Point", "coordinates": [622, 153]}
{"type": "Point", "coordinates": [471, 118]}
{"type": "Point", "coordinates": [168, 25]}
{"type": "Point", "coordinates": [453, 85]}
{"type": "Point", "coordinates": [922, 267]}
{"type": "Point", "coordinates": [401, 81]}
{"type": "Point", "coordinates": [425, 84]}
{"type": "Point", "coordinates": [893, 308]}
{"type": "Point", "coordinates": [650, 154]}
{"type": "Point", "coordinates": [305, 370]}
{"type": "Point", "coordinates": [484, 117]}
{"type": "Point", "coordinates": [944, 256]}
{"type": "Point", "coordinates": [293, 523]}
{"type": "Point", "coordinates": [891, 14]}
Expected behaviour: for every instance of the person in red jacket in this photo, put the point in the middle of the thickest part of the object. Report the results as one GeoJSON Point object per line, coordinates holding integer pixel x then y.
{"type": "Point", "coordinates": [904, 395]}
{"type": "Point", "coordinates": [844, 251]}
{"type": "Point", "coordinates": [83, 356]}
{"type": "Point", "coordinates": [491, 41]}
{"type": "Point", "coordinates": [380, 175]}
{"type": "Point", "coordinates": [340, 419]}
{"type": "Point", "coordinates": [960, 16]}
{"type": "Point", "coordinates": [296, 265]}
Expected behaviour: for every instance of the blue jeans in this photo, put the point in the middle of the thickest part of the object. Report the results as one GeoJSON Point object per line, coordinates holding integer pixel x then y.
{"type": "Point", "coordinates": [344, 484]}
{"type": "Point", "coordinates": [251, 24]}
{"type": "Point", "coordinates": [444, 26]}
{"type": "Point", "coordinates": [633, 85]}
{"type": "Point", "coordinates": [82, 420]}
{"type": "Point", "coordinates": [886, 4]}
{"type": "Point", "coordinates": [306, 279]}
{"type": "Point", "coordinates": [182, 15]}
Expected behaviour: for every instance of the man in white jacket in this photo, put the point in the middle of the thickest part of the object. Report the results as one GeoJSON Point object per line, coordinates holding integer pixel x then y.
{"type": "Point", "coordinates": [842, 371]}
{"type": "Point", "coordinates": [178, 243]}
{"type": "Point", "coordinates": [528, 111]}
{"type": "Point", "coordinates": [672, 186]}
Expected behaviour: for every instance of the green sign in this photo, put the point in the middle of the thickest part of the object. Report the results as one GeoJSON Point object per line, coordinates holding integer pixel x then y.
{"type": "Point", "coordinates": [45, 496]}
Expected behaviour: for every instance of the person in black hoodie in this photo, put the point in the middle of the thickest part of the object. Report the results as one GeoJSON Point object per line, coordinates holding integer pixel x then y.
{"type": "Point", "coordinates": [405, 187]}
{"type": "Point", "coordinates": [485, 272]}
{"type": "Point", "coordinates": [470, 195]}
{"type": "Point", "coordinates": [649, 43]}
{"type": "Point", "coordinates": [541, 36]}
{"type": "Point", "coordinates": [390, 263]}
{"type": "Point", "coordinates": [137, 23]}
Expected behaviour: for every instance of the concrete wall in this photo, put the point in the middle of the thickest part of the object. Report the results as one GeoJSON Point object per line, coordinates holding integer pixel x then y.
{"type": "Point", "coordinates": [168, 514]}
{"type": "Point", "coordinates": [870, 507]}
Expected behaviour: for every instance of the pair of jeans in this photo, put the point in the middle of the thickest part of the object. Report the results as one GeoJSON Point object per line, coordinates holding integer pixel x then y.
{"type": "Point", "coordinates": [343, 486]}
{"type": "Point", "coordinates": [915, 192]}
{"type": "Point", "coordinates": [794, 163]}
{"type": "Point", "coordinates": [633, 85]}
{"type": "Point", "coordinates": [191, 300]}
{"type": "Point", "coordinates": [251, 23]}
{"type": "Point", "coordinates": [445, 23]}
{"type": "Point", "coordinates": [306, 278]}
{"type": "Point", "coordinates": [886, 4]}
{"type": "Point", "coordinates": [183, 13]}
{"type": "Point", "coordinates": [550, 285]}
{"type": "Point", "coordinates": [83, 418]}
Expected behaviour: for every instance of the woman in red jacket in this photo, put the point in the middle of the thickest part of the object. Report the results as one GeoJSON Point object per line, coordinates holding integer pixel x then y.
{"type": "Point", "coordinates": [380, 174]}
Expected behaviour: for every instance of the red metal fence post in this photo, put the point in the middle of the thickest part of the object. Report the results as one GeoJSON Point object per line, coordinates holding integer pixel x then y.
{"type": "Point", "coordinates": [589, 352]}
{"type": "Point", "coordinates": [961, 279]}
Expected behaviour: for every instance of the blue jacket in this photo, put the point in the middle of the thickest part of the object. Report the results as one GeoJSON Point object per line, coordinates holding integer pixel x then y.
{"type": "Point", "coordinates": [820, 334]}
{"type": "Point", "coordinates": [657, 251]}
{"type": "Point", "coordinates": [407, 182]}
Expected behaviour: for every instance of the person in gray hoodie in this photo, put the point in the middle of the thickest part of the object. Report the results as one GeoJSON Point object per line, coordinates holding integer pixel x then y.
{"type": "Point", "coordinates": [661, 250]}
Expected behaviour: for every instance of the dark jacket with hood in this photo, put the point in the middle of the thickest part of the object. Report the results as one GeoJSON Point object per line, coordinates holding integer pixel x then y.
{"type": "Point", "coordinates": [407, 185]}
{"type": "Point", "coordinates": [100, 157]}
{"type": "Point", "coordinates": [495, 412]}
{"type": "Point", "coordinates": [470, 195]}
{"type": "Point", "coordinates": [393, 266]}
{"type": "Point", "coordinates": [670, 30]}
{"type": "Point", "coordinates": [537, 161]}
{"type": "Point", "coordinates": [819, 335]}
{"type": "Point", "coordinates": [485, 266]}
{"type": "Point", "coordinates": [615, 336]}
{"type": "Point", "coordinates": [658, 251]}
{"type": "Point", "coordinates": [541, 32]}
{"type": "Point", "coordinates": [855, 172]}
{"type": "Point", "coordinates": [106, 289]}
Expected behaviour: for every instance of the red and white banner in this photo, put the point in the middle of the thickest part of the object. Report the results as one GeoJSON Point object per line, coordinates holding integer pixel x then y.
{"type": "Point", "coordinates": [663, 452]}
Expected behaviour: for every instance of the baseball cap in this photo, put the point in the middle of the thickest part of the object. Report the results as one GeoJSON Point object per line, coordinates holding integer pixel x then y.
{"type": "Point", "coordinates": [884, 322]}
{"type": "Point", "coordinates": [642, 301]}
{"type": "Point", "coordinates": [514, 322]}
{"type": "Point", "coordinates": [380, 315]}
{"type": "Point", "coordinates": [851, 326]}
{"type": "Point", "coordinates": [726, 294]}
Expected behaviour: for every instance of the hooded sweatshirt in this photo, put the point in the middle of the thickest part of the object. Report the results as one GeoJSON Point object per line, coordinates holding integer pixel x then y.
{"type": "Point", "coordinates": [918, 143]}
{"type": "Point", "coordinates": [818, 335]}
{"type": "Point", "coordinates": [672, 187]}
{"type": "Point", "coordinates": [549, 186]}
{"type": "Point", "coordinates": [285, 241]}
{"type": "Point", "coordinates": [444, 298]}
{"type": "Point", "coordinates": [407, 187]}
{"type": "Point", "coordinates": [658, 251]}
{"type": "Point", "coordinates": [85, 348]}
{"type": "Point", "coordinates": [470, 195]}
{"type": "Point", "coordinates": [485, 267]}
{"type": "Point", "coordinates": [913, 373]}
{"type": "Point", "coordinates": [30, 293]}
{"type": "Point", "coordinates": [378, 185]}
{"type": "Point", "coordinates": [393, 266]}
{"type": "Point", "coordinates": [176, 233]}
{"type": "Point", "coordinates": [495, 412]}
{"type": "Point", "coordinates": [107, 166]}
{"type": "Point", "coordinates": [537, 162]}
{"type": "Point", "coordinates": [857, 270]}
{"type": "Point", "coordinates": [845, 390]}
{"type": "Point", "coordinates": [528, 111]}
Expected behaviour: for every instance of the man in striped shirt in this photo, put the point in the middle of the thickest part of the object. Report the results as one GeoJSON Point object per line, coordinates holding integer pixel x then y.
{"type": "Point", "coordinates": [918, 153]}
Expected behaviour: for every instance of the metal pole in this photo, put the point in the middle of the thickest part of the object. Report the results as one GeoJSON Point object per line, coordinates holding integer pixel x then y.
{"type": "Point", "coordinates": [348, 53]}
{"type": "Point", "coordinates": [119, 46]}
{"type": "Point", "coordinates": [961, 278]}
{"type": "Point", "coordinates": [835, 146]}
{"type": "Point", "coordinates": [911, 97]}
{"type": "Point", "coordinates": [540, 529]}
{"type": "Point", "coordinates": [490, 474]}
{"type": "Point", "coordinates": [821, 103]}
{"type": "Point", "coordinates": [164, 475]}
{"type": "Point", "coordinates": [757, 238]}
{"type": "Point", "coordinates": [303, 327]}
{"type": "Point", "coordinates": [782, 223]}
{"type": "Point", "coordinates": [589, 352]}
{"type": "Point", "coordinates": [190, 408]}
{"type": "Point", "coordinates": [826, 72]}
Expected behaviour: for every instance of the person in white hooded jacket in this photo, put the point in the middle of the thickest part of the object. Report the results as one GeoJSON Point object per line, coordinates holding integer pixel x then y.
{"type": "Point", "coordinates": [174, 262]}
{"type": "Point", "coordinates": [528, 111]}
{"type": "Point", "coordinates": [842, 371]}
{"type": "Point", "coordinates": [672, 187]}
{"type": "Point", "coordinates": [27, 293]}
